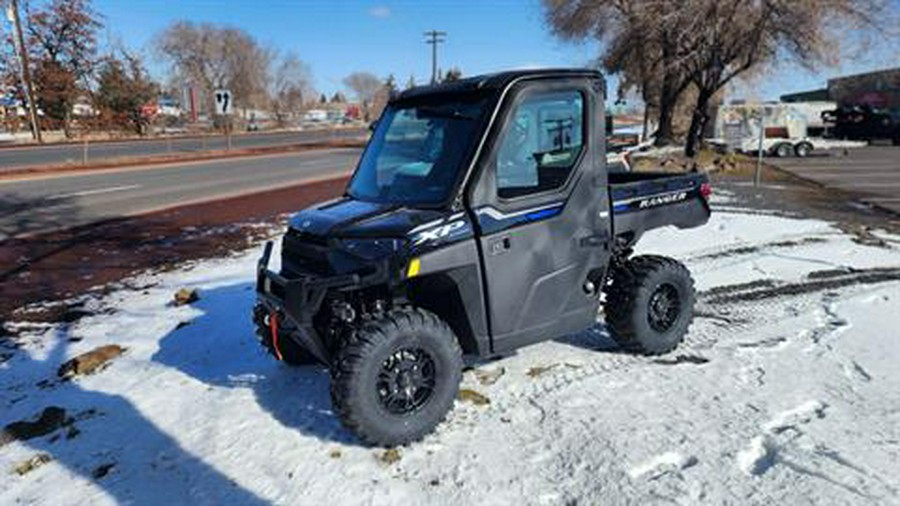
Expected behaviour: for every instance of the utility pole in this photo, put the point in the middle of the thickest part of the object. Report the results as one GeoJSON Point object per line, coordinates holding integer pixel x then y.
{"type": "Point", "coordinates": [13, 14]}
{"type": "Point", "coordinates": [757, 176]}
{"type": "Point", "coordinates": [434, 38]}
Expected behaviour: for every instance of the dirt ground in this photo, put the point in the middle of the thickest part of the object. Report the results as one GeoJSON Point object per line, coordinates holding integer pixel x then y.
{"type": "Point", "coordinates": [60, 265]}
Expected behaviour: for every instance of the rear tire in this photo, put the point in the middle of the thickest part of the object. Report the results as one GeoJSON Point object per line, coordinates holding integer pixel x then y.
{"type": "Point", "coordinates": [291, 353]}
{"type": "Point", "coordinates": [396, 378]}
{"type": "Point", "coordinates": [783, 150]}
{"type": "Point", "coordinates": [803, 149]}
{"type": "Point", "coordinates": [649, 304]}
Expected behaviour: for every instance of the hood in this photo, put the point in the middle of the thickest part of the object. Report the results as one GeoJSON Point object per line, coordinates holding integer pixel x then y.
{"type": "Point", "coordinates": [350, 218]}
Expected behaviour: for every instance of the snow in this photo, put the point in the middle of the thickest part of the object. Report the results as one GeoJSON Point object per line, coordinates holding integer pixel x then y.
{"type": "Point", "coordinates": [785, 391]}
{"type": "Point", "coordinates": [661, 464]}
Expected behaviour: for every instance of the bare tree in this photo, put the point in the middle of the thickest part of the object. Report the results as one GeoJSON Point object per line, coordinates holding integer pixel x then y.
{"type": "Point", "coordinates": [640, 44]}
{"type": "Point", "coordinates": [290, 87]}
{"type": "Point", "coordinates": [217, 57]}
{"type": "Point", "coordinates": [737, 36]}
{"type": "Point", "coordinates": [664, 47]}
{"type": "Point", "coordinates": [365, 86]}
{"type": "Point", "coordinates": [454, 74]}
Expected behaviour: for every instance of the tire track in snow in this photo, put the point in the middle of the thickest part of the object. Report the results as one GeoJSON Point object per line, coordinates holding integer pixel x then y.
{"type": "Point", "coordinates": [816, 281]}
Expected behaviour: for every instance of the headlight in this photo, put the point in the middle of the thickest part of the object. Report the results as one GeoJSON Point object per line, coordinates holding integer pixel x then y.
{"type": "Point", "coordinates": [372, 249]}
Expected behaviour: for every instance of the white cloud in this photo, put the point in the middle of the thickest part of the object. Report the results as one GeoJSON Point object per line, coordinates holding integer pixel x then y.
{"type": "Point", "coordinates": [380, 11]}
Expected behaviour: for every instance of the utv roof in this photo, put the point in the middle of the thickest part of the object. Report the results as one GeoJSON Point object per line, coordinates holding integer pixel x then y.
{"type": "Point", "coordinates": [499, 80]}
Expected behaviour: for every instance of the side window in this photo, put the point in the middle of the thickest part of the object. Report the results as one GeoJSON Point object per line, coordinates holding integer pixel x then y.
{"type": "Point", "coordinates": [541, 144]}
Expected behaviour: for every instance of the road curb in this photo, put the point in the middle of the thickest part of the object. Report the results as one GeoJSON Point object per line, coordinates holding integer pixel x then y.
{"type": "Point", "coordinates": [163, 138]}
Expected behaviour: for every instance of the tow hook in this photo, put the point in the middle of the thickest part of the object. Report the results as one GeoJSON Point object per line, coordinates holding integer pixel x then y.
{"type": "Point", "coordinates": [273, 327]}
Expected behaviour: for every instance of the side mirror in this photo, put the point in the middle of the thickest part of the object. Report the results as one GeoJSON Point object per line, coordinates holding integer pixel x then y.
{"type": "Point", "coordinates": [609, 125]}
{"type": "Point", "coordinates": [373, 125]}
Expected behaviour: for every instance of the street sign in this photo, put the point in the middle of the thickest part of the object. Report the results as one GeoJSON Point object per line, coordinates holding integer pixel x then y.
{"type": "Point", "coordinates": [224, 104]}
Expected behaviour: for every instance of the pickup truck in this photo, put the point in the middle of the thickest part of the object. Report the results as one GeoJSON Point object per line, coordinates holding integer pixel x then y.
{"type": "Point", "coordinates": [481, 218]}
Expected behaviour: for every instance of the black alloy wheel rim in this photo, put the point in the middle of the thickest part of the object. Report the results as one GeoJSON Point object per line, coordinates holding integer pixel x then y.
{"type": "Point", "coordinates": [664, 307]}
{"type": "Point", "coordinates": [406, 381]}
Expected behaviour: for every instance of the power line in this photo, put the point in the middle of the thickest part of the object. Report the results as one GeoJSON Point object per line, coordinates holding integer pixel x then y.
{"type": "Point", "coordinates": [434, 38]}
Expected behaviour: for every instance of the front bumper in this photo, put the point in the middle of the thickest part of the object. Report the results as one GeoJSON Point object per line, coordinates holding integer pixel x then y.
{"type": "Point", "coordinates": [298, 299]}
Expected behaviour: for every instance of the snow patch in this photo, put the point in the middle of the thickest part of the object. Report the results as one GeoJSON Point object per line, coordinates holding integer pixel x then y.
{"type": "Point", "coordinates": [802, 414]}
{"type": "Point", "coordinates": [199, 413]}
{"type": "Point", "coordinates": [661, 464]}
{"type": "Point", "coordinates": [757, 457]}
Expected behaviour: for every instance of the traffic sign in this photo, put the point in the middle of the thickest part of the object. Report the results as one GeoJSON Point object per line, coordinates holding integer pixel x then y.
{"type": "Point", "coordinates": [224, 104]}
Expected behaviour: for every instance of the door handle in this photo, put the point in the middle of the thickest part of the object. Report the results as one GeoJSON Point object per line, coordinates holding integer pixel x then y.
{"type": "Point", "coordinates": [593, 241]}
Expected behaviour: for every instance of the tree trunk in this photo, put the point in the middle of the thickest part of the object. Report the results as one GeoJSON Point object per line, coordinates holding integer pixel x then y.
{"type": "Point", "coordinates": [644, 132]}
{"type": "Point", "coordinates": [668, 98]}
{"type": "Point", "coordinates": [664, 133]}
{"type": "Point", "coordinates": [67, 121]}
{"type": "Point", "coordinates": [698, 121]}
{"type": "Point", "coordinates": [668, 95]}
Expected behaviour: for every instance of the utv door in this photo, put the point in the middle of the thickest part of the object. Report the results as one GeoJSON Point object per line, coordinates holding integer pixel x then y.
{"type": "Point", "coordinates": [541, 206]}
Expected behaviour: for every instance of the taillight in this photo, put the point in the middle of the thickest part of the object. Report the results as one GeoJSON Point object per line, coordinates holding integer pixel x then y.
{"type": "Point", "coordinates": [705, 191]}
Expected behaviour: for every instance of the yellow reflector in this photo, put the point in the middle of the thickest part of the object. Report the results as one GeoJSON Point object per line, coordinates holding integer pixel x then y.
{"type": "Point", "coordinates": [413, 269]}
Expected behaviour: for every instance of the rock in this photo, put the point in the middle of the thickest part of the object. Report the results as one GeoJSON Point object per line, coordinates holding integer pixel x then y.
{"type": "Point", "coordinates": [489, 376]}
{"type": "Point", "coordinates": [102, 470]}
{"type": "Point", "coordinates": [539, 370]}
{"type": "Point", "coordinates": [90, 362]}
{"type": "Point", "coordinates": [335, 453]}
{"type": "Point", "coordinates": [390, 456]}
{"type": "Point", "coordinates": [51, 418]}
{"type": "Point", "coordinates": [33, 463]}
{"type": "Point", "coordinates": [186, 296]}
{"type": "Point", "coordinates": [474, 397]}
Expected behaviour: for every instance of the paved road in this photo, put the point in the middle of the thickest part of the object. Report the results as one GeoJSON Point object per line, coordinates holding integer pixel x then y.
{"type": "Point", "coordinates": [60, 201]}
{"type": "Point", "coordinates": [872, 172]}
{"type": "Point", "coordinates": [24, 156]}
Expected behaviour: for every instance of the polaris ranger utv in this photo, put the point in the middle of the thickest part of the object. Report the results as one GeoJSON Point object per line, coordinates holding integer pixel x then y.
{"type": "Point", "coordinates": [480, 218]}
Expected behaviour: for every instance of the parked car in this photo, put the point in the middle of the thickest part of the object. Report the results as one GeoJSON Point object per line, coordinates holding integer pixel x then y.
{"type": "Point", "coordinates": [864, 123]}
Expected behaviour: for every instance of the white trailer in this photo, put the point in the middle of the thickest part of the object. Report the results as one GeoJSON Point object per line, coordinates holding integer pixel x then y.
{"type": "Point", "coordinates": [779, 129]}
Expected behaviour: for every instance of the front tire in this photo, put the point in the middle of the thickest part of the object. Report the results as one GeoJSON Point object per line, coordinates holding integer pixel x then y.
{"type": "Point", "coordinates": [650, 304]}
{"type": "Point", "coordinates": [396, 378]}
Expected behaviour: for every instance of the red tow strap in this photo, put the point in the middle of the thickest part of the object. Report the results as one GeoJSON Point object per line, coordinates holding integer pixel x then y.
{"type": "Point", "coordinates": [273, 326]}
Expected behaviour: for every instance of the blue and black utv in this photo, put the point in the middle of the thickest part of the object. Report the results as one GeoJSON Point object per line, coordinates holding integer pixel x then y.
{"type": "Point", "coordinates": [481, 218]}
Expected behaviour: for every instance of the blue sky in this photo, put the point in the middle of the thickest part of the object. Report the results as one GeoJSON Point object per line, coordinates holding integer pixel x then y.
{"type": "Point", "coordinates": [338, 37]}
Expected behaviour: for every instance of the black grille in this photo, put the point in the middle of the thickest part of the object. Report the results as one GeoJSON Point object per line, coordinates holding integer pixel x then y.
{"type": "Point", "coordinates": [303, 253]}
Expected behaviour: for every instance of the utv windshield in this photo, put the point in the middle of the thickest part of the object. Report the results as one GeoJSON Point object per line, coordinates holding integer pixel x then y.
{"type": "Point", "coordinates": [416, 153]}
